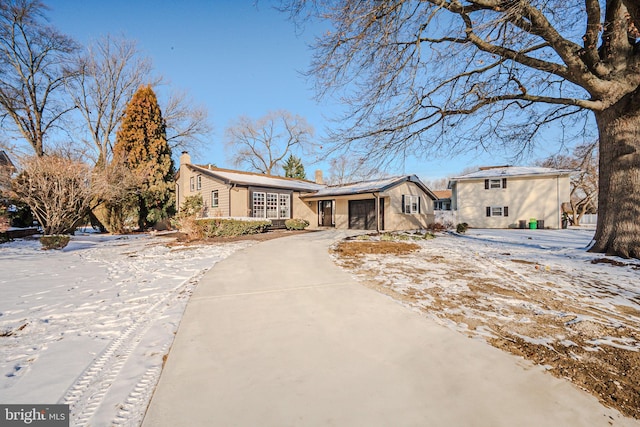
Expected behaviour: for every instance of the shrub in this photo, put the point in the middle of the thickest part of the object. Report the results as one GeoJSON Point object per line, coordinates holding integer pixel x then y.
{"type": "Point", "coordinates": [462, 227]}
{"type": "Point", "coordinates": [55, 241]}
{"type": "Point", "coordinates": [234, 227]}
{"type": "Point", "coordinates": [58, 191]}
{"type": "Point", "coordinates": [191, 228]}
{"type": "Point", "coordinates": [436, 226]}
{"type": "Point", "coordinates": [218, 227]}
{"type": "Point", "coordinates": [296, 224]}
{"type": "Point", "coordinates": [192, 205]}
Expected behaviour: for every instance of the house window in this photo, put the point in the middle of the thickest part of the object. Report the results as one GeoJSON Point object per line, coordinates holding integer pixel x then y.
{"type": "Point", "coordinates": [497, 210]}
{"type": "Point", "coordinates": [192, 185]}
{"type": "Point", "coordinates": [491, 184]}
{"type": "Point", "coordinates": [271, 205]}
{"type": "Point", "coordinates": [258, 205]}
{"type": "Point", "coordinates": [214, 199]}
{"type": "Point", "coordinates": [410, 204]}
{"type": "Point", "coordinates": [199, 182]}
{"type": "Point", "coordinates": [284, 205]}
{"type": "Point", "coordinates": [440, 205]}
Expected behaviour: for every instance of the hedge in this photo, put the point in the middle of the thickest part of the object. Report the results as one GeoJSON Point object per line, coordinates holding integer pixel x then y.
{"type": "Point", "coordinates": [218, 227]}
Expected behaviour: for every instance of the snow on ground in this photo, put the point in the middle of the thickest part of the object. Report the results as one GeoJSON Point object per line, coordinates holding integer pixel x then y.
{"type": "Point", "coordinates": [536, 293]}
{"type": "Point", "coordinates": [89, 325]}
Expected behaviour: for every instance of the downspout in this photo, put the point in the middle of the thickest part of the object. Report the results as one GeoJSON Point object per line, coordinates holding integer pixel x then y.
{"type": "Point", "coordinates": [231, 187]}
{"type": "Point", "coordinates": [377, 197]}
{"type": "Point", "coordinates": [178, 197]}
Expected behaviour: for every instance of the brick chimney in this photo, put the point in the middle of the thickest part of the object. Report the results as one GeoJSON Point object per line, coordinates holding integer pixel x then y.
{"type": "Point", "coordinates": [319, 179]}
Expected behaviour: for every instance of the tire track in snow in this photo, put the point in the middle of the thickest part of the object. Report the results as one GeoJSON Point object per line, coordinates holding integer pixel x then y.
{"type": "Point", "coordinates": [87, 394]}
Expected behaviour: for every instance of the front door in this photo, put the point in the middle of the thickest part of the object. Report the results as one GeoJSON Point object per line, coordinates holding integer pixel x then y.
{"type": "Point", "coordinates": [325, 213]}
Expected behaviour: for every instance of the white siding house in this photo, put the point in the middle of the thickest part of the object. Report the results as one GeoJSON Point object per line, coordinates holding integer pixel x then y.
{"type": "Point", "coordinates": [510, 197]}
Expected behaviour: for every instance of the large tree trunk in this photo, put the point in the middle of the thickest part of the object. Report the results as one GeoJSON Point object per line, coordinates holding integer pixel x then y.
{"type": "Point", "coordinates": [618, 231]}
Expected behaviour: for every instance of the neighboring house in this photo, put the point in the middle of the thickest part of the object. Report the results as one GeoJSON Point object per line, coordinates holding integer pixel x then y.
{"type": "Point", "coordinates": [443, 201]}
{"type": "Point", "coordinates": [509, 197]}
{"type": "Point", "coordinates": [442, 208]}
{"type": "Point", "coordinates": [7, 169]}
{"type": "Point", "coordinates": [398, 203]}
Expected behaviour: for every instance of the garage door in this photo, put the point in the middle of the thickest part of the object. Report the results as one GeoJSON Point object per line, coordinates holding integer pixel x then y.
{"type": "Point", "coordinates": [362, 214]}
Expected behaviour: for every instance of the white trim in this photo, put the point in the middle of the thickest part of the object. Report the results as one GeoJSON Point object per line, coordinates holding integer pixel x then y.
{"type": "Point", "coordinates": [216, 198]}
{"type": "Point", "coordinates": [411, 204]}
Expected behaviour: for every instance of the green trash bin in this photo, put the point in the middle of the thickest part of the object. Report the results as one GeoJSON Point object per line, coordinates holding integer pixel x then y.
{"type": "Point", "coordinates": [533, 224]}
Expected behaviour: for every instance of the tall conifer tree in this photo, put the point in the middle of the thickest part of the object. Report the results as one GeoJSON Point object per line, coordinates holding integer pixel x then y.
{"type": "Point", "coordinates": [293, 168]}
{"type": "Point", "coordinates": [141, 142]}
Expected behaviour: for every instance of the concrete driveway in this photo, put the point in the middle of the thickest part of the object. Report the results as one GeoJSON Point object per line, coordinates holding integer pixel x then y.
{"type": "Point", "coordinates": [277, 335]}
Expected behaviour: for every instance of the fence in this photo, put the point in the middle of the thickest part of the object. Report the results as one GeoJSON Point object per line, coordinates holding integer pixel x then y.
{"type": "Point", "coordinates": [589, 219]}
{"type": "Point", "coordinates": [447, 218]}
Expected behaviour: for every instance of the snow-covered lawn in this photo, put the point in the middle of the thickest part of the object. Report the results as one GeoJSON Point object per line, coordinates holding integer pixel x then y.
{"type": "Point", "coordinates": [535, 293]}
{"type": "Point", "coordinates": [89, 326]}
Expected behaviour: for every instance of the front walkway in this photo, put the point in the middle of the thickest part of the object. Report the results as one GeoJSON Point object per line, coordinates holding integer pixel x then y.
{"type": "Point", "coordinates": [277, 335]}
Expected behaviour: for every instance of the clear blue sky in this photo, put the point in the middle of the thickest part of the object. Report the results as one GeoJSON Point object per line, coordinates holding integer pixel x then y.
{"type": "Point", "coordinates": [231, 56]}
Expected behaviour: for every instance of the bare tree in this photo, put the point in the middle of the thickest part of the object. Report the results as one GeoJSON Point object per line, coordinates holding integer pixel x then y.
{"type": "Point", "coordinates": [584, 182]}
{"type": "Point", "coordinates": [57, 189]}
{"type": "Point", "coordinates": [424, 76]}
{"type": "Point", "coordinates": [33, 57]}
{"type": "Point", "coordinates": [110, 70]}
{"type": "Point", "coordinates": [344, 169]}
{"type": "Point", "coordinates": [187, 124]}
{"type": "Point", "coordinates": [263, 144]}
{"type": "Point", "coordinates": [437, 184]}
{"type": "Point", "coordinates": [115, 200]}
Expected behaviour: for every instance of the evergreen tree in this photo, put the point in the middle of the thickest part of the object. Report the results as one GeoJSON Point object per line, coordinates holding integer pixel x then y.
{"type": "Point", "coordinates": [293, 168]}
{"type": "Point", "coordinates": [141, 142]}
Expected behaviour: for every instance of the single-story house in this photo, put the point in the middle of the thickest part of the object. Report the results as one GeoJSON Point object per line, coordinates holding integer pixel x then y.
{"type": "Point", "coordinates": [391, 204]}
{"type": "Point", "coordinates": [510, 197]}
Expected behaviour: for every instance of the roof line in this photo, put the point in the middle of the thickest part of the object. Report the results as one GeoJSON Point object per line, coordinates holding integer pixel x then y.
{"type": "Point", "coordinates": [215, 168]}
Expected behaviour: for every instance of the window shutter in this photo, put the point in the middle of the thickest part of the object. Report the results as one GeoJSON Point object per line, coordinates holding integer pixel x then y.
{"type": "Point", "coordinates": [403, 204]}
{"type": "Point", "coordinates": [418, 204]}
{"type": "Point", "coordinates": [504, 182]}
{"type": "Point", "coordinates": [486, 184]}
{"type": "Point", "coordinates": [505, 211]}
{"type": "Point", "coordinates": [488, 210]}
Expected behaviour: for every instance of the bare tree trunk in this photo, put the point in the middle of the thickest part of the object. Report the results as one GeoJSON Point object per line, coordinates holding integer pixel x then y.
{"type": "Point", "coordinates": [577, 212]}
{"type": "Point", "coordinates": [617, 232]}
